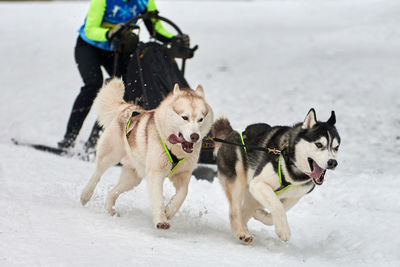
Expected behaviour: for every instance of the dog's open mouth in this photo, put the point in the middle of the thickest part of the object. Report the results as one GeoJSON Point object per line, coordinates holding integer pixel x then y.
{"type": "Point", "coordinates": [317, 173]}
{"type": "Point", "coordinates": [186, 146]}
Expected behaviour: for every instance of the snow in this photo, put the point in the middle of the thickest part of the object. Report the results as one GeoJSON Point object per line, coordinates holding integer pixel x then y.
{"type": "Point", "coordinates": [259, 61]}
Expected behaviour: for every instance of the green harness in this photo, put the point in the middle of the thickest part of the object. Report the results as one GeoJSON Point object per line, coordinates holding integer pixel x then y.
{"type": "Point", "coordinates": [174, 160]}
{"type": "Point", "coordinates": [284, 184]}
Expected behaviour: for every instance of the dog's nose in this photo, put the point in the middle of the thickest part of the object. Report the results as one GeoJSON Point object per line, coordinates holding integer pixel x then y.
{"type": "Point", "coordinates": [194, 137]}
{"type": "Point", "coordinates": [332, 163]}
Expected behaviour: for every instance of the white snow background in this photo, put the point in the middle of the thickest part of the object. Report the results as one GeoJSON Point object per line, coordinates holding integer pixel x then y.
{"type": "Point", "coordinates": [259, 61]}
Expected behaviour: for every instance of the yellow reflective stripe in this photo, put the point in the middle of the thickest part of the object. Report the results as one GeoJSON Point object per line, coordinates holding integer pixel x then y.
{"type": "Point", "coordinates": [283, 188]}
{"type": "Point", "coordinates": [170, 158]}
{"type": "Point", "coordinates": [241, 137]}
{"type": "Point", "coordinates": [279, 169]}
{"type": "Point", "coordinates": [167, 151]}
{"type": "Point", "coordinates": [280, 176]}
{"type": "Point", "coordinates": [108, 25]}
{"type": "Point", "coordinates": [175, 167]}
{"type": "Point", "coordinates": [127, 127]}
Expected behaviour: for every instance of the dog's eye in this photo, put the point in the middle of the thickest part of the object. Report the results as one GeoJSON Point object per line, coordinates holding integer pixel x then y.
{"type": "Point", "coordinates": [200, 120]}
{"type": "Point", "coordinates": [336, 148]}
{"type": "Point", "coordinates": [319, 145]}
{"type": "Point", "coordinates": [185, 118]}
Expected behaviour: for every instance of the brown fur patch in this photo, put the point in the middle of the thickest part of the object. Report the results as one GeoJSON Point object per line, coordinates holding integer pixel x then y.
{"type": "Point", "coordinates": [132, 136]}
{"type": "Point", "coordinates": [221, 128]}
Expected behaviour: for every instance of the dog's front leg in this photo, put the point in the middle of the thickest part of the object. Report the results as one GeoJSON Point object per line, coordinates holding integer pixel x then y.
{"type": "Point", "coordinates": [155, 181]}
{"type": "Point", "coordinates": [288, 203]}
{"type": "Point", "coordinates": [181, 184]}
{"type": "Point", "coordinates": [266, 217]}
{"type": "Point", "coordinates": [264, 194]}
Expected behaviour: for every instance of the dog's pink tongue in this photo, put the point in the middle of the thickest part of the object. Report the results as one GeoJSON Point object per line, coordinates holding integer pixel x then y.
{"type": "Point", "coordinates": [173, 139]}
{"type": "Point", "coordinates": [317, 171]}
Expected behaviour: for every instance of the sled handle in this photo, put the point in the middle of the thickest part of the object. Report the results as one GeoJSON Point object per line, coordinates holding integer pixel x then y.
{"type": "Point", "coordinates": [153, 15]}
{"type": "Point", "coordinates": [184, 60]}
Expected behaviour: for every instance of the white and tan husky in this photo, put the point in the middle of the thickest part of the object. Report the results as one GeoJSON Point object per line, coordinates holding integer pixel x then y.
{"type": "Point", "coordinates": [154, 144]}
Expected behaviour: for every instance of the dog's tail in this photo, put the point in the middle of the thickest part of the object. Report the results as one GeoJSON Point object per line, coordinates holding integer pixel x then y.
{"type": "Point", "coordinates": [109, 100]}
{"type": "Point", "coordinates": [220, 129]}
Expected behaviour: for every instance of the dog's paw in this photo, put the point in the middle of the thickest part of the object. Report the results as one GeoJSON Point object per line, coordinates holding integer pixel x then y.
{"type": "Point", "coordinates": [113, 212]}
{"type": "Point", "coordinates": [245, 238]}
{"type": "Point", "coordinates": [162, 225]}
{"type": "Point", "coordinates": [283, 232]}
{"type": "Point", "coordinates": [86, 196]}
{"type": "Point", "coordinates": [170, 212]}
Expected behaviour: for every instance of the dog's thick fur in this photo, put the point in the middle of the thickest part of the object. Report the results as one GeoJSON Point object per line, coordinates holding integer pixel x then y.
{"type": "Point", "coordinates": [251, 180]}
{"type": "Point", "coordinates": [181, 120]}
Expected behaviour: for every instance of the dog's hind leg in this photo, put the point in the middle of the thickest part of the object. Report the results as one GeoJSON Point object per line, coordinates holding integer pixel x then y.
{"type": "Point", "coordinates": [181, 183]}
{"type": "Point", "coordinates": [235, 192]}
{"type": "Point", "coordinates": [128, 180]}
{"type": "Point", "coordinates": [105, 158]}
{"type": "Point", "coordinates": [250, 205]}
{"type": "Point", "coordinates": [94, 180]}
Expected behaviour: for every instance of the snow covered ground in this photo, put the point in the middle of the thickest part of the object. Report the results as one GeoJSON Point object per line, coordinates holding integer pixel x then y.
{"type": "Point", "coordinates": [268, 61]}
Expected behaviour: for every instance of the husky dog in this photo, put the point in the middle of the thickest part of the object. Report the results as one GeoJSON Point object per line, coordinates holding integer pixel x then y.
{"type": "Point", "coordinates": [273, 169]}
{"type": "Point", "coordinates": [154, 144]}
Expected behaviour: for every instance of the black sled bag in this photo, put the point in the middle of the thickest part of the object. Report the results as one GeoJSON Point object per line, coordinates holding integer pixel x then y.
{"type": "Point", "coordinates": [151, 75]}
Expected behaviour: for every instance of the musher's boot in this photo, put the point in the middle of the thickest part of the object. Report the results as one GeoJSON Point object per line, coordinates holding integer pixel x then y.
{"type": "Point", "coordinates": [90, 144]}
{"type": "Point", "coordinates": [67, 142]}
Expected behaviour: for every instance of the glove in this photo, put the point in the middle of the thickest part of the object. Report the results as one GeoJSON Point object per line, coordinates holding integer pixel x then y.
{"type": "Point", "coordinates": [123, 39]}
{"type": "Point", "coordinates": [180, 47]}
{"type": "Point", "coordinates": [181, 40]}
{"type": "Point", "coordinates": [110, 34]}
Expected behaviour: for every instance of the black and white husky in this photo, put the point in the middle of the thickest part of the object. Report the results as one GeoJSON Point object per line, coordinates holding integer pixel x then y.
{"type": "Point", "coordinates": [272, 168]}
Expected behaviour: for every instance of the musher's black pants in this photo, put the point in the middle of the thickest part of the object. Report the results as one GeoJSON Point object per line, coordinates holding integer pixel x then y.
{"type": "Point", "coordinates": [89, 60]}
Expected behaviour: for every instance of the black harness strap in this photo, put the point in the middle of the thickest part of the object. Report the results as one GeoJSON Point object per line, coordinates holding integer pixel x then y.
{"type": "Point", "coordinates": [259, 148]}
{"type": "Point", "coordinates": [284, 183]}
{"type": "Point", "coordinates": [175, 159]}
{"type": "Point", "coordinates": [135, 113]}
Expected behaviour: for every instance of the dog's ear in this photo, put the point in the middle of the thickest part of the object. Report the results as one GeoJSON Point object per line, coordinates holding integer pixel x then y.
{"type": "Point", "coordinates": [199, 90]}
{"type": "Point", "coordinates": [310, 120]}
{"type": "Point", "coordinates": [332, 119]}
{"type": "Point", "coordinates": [176, 89]}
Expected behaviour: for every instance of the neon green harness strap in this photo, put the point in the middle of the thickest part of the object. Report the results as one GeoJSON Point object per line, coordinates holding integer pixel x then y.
{"type": "Point", "coordinates": [244, 145]}
{"type": "Point", "coordinates": [279, 170]}
{"type": "Point", "coordinates": [174, 160]}
{"type": "Point", "coordinates": [284, 184]}
{"type": "Point", "coordinates": [127, 127]}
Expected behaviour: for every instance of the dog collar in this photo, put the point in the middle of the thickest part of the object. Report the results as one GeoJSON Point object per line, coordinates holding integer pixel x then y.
{"type": "Point", "coordinates": [174, 160]}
